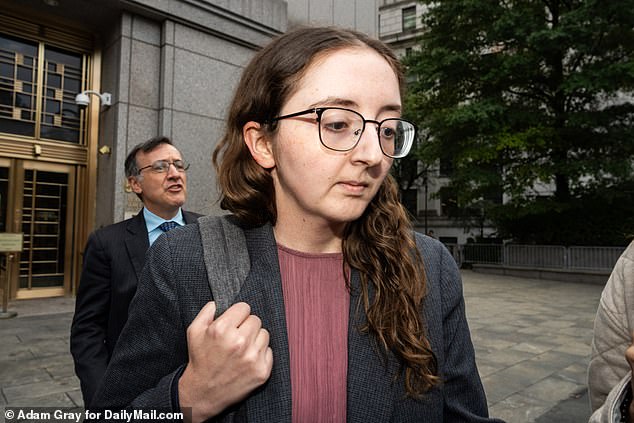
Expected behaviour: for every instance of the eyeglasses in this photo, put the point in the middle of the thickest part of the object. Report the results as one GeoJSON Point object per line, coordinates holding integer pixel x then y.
{"type": "Point", "coordinates": [341, 129]}
{"type": "Point", "coordinates": [162, 166]}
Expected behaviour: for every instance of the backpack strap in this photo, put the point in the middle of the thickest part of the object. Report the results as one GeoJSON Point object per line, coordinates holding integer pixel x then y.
{"type": "Point", "coordinates": [226, 258]}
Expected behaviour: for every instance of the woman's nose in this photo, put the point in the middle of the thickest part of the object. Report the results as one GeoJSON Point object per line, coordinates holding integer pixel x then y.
{"type": "Point", "coordinates": [368, 149]}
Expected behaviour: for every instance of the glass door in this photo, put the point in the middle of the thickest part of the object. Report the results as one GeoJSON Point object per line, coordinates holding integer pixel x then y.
{"type": "Point", "coordinates": [45, 218]}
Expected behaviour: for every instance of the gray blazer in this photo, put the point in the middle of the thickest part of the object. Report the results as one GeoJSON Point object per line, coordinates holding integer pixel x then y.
{"type": "Point", "coordinates": [152, 350]}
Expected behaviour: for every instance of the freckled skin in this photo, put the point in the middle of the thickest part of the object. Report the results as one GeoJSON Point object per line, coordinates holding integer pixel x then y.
{"type": "Point", "coordinates": [316, 188]}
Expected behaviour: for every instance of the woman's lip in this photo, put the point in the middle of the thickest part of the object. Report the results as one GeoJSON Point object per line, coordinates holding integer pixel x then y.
{"type": "Point", "coordinates": [354, 186]}
{"type": "Point", "coordinates": [355, 183]}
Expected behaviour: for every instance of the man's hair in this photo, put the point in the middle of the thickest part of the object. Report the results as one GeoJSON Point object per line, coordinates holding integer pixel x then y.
{"type": "Point", "coordinates": [131, 165]}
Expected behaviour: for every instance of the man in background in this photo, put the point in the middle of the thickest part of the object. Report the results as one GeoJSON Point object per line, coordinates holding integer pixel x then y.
{"type": "Point", "coordinates": [115, 255]}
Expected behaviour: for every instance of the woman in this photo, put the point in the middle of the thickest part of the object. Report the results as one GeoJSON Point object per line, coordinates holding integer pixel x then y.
{"type": "Point", "coordinates": [611, 366]}
{"type": "Point", "coordinates": [344, 313]}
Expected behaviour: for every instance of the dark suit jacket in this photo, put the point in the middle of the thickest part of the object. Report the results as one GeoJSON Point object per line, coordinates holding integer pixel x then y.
{"type": "Point", "coordinates": [152, 350]}
{"type": "Point", "coordinates": [112, 265]}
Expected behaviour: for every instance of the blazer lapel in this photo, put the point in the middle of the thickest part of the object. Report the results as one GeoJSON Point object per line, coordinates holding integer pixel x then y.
{"type": "Point", "coordinates": [189, 217]}
{"type": "Point", "coordinates": [262, 290]}
{"type": "Point", "coordinates": [370, 381]}
{"type": "Point", "coordinates": [137, 242]}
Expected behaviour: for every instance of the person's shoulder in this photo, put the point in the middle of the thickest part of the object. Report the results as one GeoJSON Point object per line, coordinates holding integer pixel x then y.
{"type": "Point", "coordinates": [116, 228]}
{"type": "Point", "coordinates": [628, 254]}
{"type": "Point", "coordinates": [183, 235]}
{"type": "Point", "coordinates": [440, 265]}
{"type": "Point", "coordinates": [429, 247]}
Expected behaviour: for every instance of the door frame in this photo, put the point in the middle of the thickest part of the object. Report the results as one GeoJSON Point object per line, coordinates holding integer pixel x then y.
{"type": "Point", "coordinates": [15, 225]}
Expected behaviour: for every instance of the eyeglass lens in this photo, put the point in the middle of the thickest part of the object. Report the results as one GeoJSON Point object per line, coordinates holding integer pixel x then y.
{"type": "Point", "coordinates": [162, 166]}
{"type": "Point", "coordinates": [341, 129]}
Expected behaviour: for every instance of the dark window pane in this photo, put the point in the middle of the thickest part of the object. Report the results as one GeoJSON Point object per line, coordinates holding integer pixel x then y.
{"type": "Point", "coordinates": [52, 177]}
{"type": "Point", "coordinates": [46, 203]}
{"type": "Point", "coordinates": [71, 111]}
{"type": "Point", "coordinates": [26, 115]}
{"type": "Point", "coordinates": [23, 101]}
{"type": "Point", "coordinates": [46, 228]}
{"type": "Point", "coordinates": [60, 134]}
{"type": "Point", "coordinates": [50, 93]}
{"type": "Point", "coordinates": [409, 18]}
{"type": "Point", "coordinates": [47, 215]}
{"type": "Point", "coordinates": [44, 242]}
{"type": "Point", "coordinates": [46, 281]}
{"type": "Point", "coordinates": [6, 70]}
{"type": "Point", "coordinates": [17, 127]}
{"type": "Point", "coordinates": [52, 106]}
{"type": "Point", "coordinates": [6, 98]}
{"type": "Point", "coordinates": [64, 57]}
{"type": "Point", "coordinates": [54, 80]}
{"type": "Point", "coordinates": [50, 190]}
{"type": "Point", "coordinates": [25, 74]}
{"type": "Point", "coordinates": [14, 44]}
{"type": "Point", "coordinates": [44, 268]}
{"type": "Point", "coordinates": [27, 88]}
{"type": "Point", "coordinates": [45, 255]}
{"type": "Point", "coordinates": [71, 85]}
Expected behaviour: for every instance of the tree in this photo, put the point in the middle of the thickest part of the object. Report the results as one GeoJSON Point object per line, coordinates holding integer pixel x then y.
{"type": "Point", "coordinates": [531, 98]}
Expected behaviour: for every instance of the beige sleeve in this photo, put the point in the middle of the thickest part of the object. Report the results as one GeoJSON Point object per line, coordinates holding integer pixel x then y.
{"type": "Point", "coordinates": [613, 328]}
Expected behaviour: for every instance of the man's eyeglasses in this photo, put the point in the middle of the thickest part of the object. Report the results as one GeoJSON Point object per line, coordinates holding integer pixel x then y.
{"type": "Point", "coordinates": [341, 129]}
{"type": "Point", "coordinates": [162, 166]}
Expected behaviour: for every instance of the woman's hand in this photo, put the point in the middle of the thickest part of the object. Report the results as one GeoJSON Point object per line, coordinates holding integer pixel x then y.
{"type": "Point", "coordinates": [228, 358]}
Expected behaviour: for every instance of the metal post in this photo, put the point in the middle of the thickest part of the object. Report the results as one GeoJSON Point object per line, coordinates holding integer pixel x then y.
{"type": "Point", "coordinates": [4, 312]}
{"type": "Point", "coordinates": [425, 185]}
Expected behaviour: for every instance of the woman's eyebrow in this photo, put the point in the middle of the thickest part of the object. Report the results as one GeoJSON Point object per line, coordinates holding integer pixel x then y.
{"type": "Point", "coordinates": [334, 101]}
{"type": "Point", "coordinates": [343, 102]}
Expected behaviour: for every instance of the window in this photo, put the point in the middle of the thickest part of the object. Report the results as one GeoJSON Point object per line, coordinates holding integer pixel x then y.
{"type": "Point", "coordinates": [409, 18]}
{"type": "Point", "coordinates": [37, 96]}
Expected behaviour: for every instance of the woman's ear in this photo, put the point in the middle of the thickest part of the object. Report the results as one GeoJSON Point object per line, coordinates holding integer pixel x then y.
{"type": "Point", "coordinates": [259, 144]}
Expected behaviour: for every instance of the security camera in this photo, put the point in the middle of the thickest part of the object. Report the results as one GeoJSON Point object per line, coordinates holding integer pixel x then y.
{"type": "Point", "coordinates": [82, 100]}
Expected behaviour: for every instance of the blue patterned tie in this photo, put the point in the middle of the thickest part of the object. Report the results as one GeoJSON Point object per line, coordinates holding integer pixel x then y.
{"type": "Point", "coordinates": [168, 226]}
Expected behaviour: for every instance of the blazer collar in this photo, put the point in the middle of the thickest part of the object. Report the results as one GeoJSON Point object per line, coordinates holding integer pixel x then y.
{"type": "Point", "coordinates": [189, 217]}
{"type": "Point", "coordinates": [262, 290]}
{"type": "Point", "coordinates": [370, 383]}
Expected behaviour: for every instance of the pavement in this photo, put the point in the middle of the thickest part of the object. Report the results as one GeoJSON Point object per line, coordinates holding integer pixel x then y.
{"type": "Point", "coordinates": [532, 340]}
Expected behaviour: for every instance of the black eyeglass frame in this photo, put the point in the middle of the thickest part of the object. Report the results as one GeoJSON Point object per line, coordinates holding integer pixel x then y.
{"type": "Point", "coordinates": [183, 168]}
{"type": "Point", "coordinates": [320, 110]}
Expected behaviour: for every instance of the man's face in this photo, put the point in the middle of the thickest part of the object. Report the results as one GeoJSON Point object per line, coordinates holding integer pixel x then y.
{"type": "Point", "coordinates": [162, 193]}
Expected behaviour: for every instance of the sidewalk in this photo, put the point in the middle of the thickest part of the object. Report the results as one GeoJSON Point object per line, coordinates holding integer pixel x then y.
{"type": "Point", "coordinates": [532, 340]}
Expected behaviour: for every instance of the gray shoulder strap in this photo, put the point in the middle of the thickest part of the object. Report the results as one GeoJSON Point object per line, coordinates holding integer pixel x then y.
{"type": "Point", "coordinates": [226, 258]}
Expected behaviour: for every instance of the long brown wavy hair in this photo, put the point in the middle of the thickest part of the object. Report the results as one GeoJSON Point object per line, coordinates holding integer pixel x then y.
{"type": "Point", "coordinates": [380, 244]}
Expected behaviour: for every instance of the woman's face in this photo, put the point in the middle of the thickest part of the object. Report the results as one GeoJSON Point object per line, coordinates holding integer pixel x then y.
{"type": "Point", "coordinates": [318, 185]}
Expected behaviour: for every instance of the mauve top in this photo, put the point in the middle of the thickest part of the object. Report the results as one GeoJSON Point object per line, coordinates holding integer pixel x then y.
{"type": "Point", "coordinates": [316, 301]}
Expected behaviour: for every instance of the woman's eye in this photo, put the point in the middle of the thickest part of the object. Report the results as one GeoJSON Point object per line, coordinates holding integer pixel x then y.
{"type": "Point", "coordinates": [336, 126]}
{"type": "Point", "coordinates": [387, 132]}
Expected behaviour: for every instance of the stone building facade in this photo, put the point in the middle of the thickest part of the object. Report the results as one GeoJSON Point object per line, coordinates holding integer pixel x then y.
{"type": "Point", "coordinates": [170, 66]}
